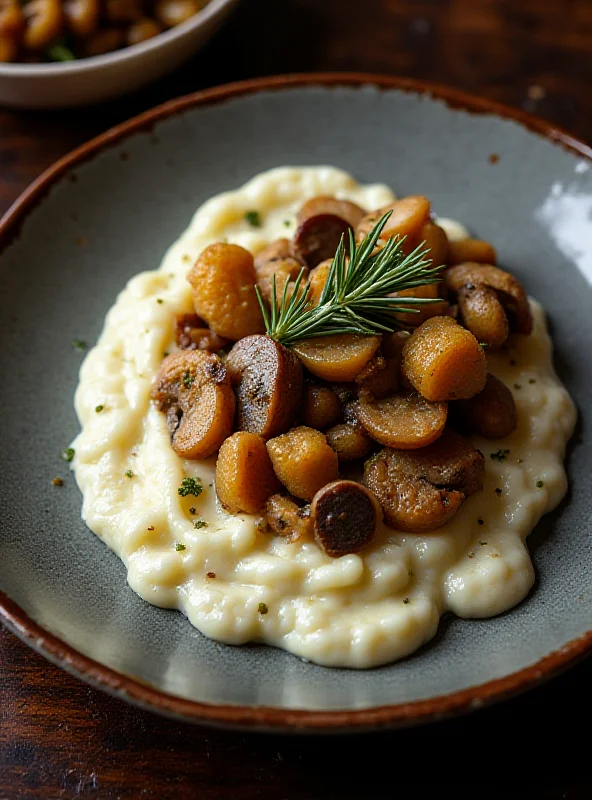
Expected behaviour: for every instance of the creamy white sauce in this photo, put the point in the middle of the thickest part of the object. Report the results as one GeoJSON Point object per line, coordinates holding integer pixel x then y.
{"type": "Point", "coordinates": [356, 611]}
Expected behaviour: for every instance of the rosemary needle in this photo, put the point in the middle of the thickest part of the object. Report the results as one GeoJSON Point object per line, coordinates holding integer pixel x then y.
{"type": "Point", "coordinates": [356, 297]}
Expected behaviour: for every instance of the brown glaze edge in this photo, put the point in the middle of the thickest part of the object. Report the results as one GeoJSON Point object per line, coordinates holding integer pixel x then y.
{"type": "Point", "coordinates": [265, 718]}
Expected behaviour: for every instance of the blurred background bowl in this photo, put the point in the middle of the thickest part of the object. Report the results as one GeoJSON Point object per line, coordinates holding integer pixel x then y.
{"type": "Point", "coordinates": [91, 80]}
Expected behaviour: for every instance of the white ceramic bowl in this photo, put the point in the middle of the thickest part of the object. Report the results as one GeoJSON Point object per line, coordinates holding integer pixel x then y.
{"type": "Point", "coordinates": [90, 80]}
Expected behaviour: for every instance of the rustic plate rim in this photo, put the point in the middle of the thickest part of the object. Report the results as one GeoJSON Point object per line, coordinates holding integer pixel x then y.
{"type": "Point", "coordinates": [136, 691]}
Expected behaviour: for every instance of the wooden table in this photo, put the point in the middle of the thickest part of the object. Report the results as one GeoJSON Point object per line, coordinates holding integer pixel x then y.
{"type": "Point", "coordinates": [62, 739]}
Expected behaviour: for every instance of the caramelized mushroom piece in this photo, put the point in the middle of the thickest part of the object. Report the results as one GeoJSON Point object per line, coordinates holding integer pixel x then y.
{"type": "Point", "coordinates": [491, 413]}
{"type": "Point", "coordinates": [244, 475]}
{"type": "Point", "coordinates": [318, 278]}
{"type": "Point", "coordinates": [191, 333]}
{"type": "Point", "coordinates": [404, 421]}
{"type": "Point", "coordinates": [321, 407]}
{"type": "Point", "coordinates": [268, 381]}
{"type": "Point", "coordinates": [303, 461]}
{"type": "Point", "coordinates": [276, 261]}
{"type": "Point", "coordinates": [408, 217]}
{"type": "Point", "coordinates": [44, 23]}
{"type": "Point", "coordinates": [223, 280]}
{"type": "Point", "coordinates": [174, 12]}
{"type": "Point", "coordinates": [193, 389]}
{"type": "Point", "coordinates": [337, 358]}
{"type": "Point", "coordinates": [326, 204]}
{"type": "Point", "coordinates": [422, 490]}
{"type": "Point", "coordinates": [483, 314]}
{"type": "Point", "coordinates": [82, 16]}
{"type": "Point", "coordinates": [443, 361]}
{"type": "Point", "coordinates": [12, 24]}
{"type": "Point", "coordinates": [509, 292]}
{"type": "Point", "coordinates": [436, 242]}
{"type": "Point", "coordinates": [471, 250]}
{"type": "Point", "coordinates": [286, 518]}
{"type": "Point", "coordinates": [379, 378]}
{"type": "Point", "coordinates": [318, 237]}
{"type": "Point", "coordinates": [344, 516]}
{"type": "Point", "coordinates": [350, 442]}
{"type": "Point", "coordinates": [419, 313]}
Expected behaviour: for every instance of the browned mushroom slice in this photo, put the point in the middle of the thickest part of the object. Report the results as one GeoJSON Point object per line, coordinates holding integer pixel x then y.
{"type": "Point", "coordinates": [436, 243]}
{"type": "Point", "coordinates": [491, 413]}
{"type": "Point", "coordinates": [325, 204]}
{"type": "Point", "coordinates": [321, 407]}
{"type": "Point", "coordinates": [244, 474]}
{"type": "Point", "coordinates": [317, 238]}
{"type": "Point", "coordinates": [483, 314]}
{"type": "Point", "coordinates": [337, 358]}
{"type": "Point", "coordinates": [509, 290]}
{"type": "Point", "coordinates": [444, 361]}
{"type": "Point", "coordinates": [350, 442]}
{"type": "Point", "coordinates": [419, 313]}
{"type": "Point", "coordinates": [193, 389]}
{"type": "Point", "coordinates": [422, 490]}
{"type": "Point", "coordinates": [318, 278]}
{"type": "Point", "coordinates": [191, 333]}
{"type": "Point", "coordinates": [379, 378]}
{"type": "Point", "coordinates": [223, 281]}
{"type": "Point", "coordinates": [276, 262]}
{"type": "Point", "coordinates": [344, 516]}
{"type": "Point", "coordinates": [288, 519]}
{"type": "Point", "coordinates": [408, 216]}
{"type": "Point", "coordinates": [403, 421]}
{"type": "Point", "coordinates": [303, 461]}
{"type": "Point", "coordinates": [268, 381]}
{"type": "Point", "coordinates": [471, 250]}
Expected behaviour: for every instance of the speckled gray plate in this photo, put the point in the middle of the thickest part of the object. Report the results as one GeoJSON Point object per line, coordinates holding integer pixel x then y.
{"type": "Point", "coordinates": [110, 210]}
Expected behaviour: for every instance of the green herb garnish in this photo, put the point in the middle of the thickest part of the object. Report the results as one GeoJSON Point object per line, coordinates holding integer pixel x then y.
{"type": "Point", "coordinates": [539, 484]}
{"type": "Point", "coordinates": [190, 486]}
{"type": "Point", "coordinates": [200, 523]}
{"type": "Point", "coordinates": [99, 408]}
{"type": "Point", "coordinates": [79, 344]}
{"type": "Point", "coordinates": [287, 223]}
{"type": "Point", "coordinates": [188, 380]}
{"type": "Point", "coordinates": [129, 474]}
{"type": "Point", "coordinates": [500, 455]}
{"type": "Point", "coordinates": [179, 547]}
{"type": "Point", "coordinates": [253, 218]}
{"type": "Point", "coordinates": [59, 52]}
{"type": "Point", "coordinates": [68, 454]}
{"type": "Point", "coordinates": [356, 297]}
{"type": "Point", "coordinates": [263, 609]}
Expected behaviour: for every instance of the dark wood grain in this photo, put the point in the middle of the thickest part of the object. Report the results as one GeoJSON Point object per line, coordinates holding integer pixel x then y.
{"type": "Point", "coordinates": [58, 737]}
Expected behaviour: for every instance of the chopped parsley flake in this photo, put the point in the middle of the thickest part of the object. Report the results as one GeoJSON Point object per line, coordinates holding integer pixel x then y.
{"type": "Point", "coordinates": [253, 218]}
{"type": "Point", "coordinates": [498, 491]}
{"type": "Point", "coordinates": [57, 482]}
{"type": "Point", "coordinates": [539, 484]}
{"type": "Point", "coordinates": [165, 354]}
{"type": "Point", "coordinates": [159, 300]}
{"type": "Point", "coordinates": [129, 474]}
{"type": "Point", "coordinates": [200, 523]}
{"type": "Point", "coordinates": [185, 258]}
{"type": "Point", "coordinates": [532, 380]}
{"type": "Point", "coordinates": [190, 486]}
{"type": "Point", "coordinates": [263, 609]}
{"type": "Point", "coordinates": [193, 510]}
{"type": "Point", "coordinates": [79, 344]}
{"type": "Point", "coordinates": [406, 600]}
{"type": "Point", "coordinates": [287, 223]}
{"type": "Point", "coordinates": [179, 547]}
{"type": "Point", "coordinates": [68, 454]}
{"type": "Point", "coordinates": [99, 408]}
{"type": "Point", "coordinates": [517, 386]}
{"type": "Point", "coordinates": [188, 380]}
{"type": "Point", "coordinates": [500, 455]}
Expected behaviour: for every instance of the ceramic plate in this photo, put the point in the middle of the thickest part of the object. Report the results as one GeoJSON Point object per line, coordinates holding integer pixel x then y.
{"type": "Point", "coordinates": [110, 210]}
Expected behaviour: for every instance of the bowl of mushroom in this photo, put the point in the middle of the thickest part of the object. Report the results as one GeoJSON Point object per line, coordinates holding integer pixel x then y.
{"type": "Point", "coordinates": [56, 53]}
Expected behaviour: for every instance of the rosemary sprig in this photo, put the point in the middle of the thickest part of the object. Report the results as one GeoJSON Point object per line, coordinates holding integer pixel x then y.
{"type": "Point", "coordinates": [355, 297]}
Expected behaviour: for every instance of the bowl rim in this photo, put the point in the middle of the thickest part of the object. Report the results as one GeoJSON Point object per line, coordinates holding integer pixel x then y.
{"type": "Point", "coordinates": [52, 69]}
{"type": "Point", "coordinates": [147, 696]}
